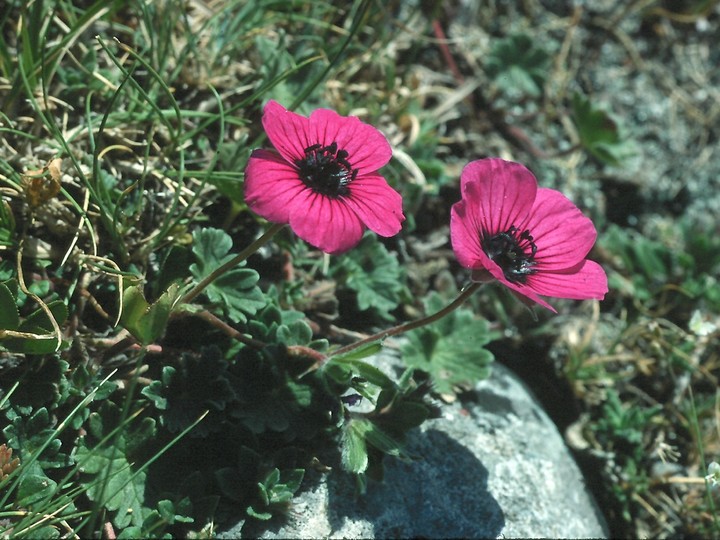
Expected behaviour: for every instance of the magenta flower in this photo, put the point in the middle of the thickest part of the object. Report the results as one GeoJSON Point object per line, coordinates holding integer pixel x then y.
{"type": "Point", "coordinates": [323, 178]}
{"type": "Point", "coordinates": [532, 240]}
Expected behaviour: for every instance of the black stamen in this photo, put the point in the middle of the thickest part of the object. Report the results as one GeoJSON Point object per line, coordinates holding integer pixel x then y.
{"type": "Point", "coordinates": [326, 170]}
{"type": "Point", "coordinates": [509, 250]}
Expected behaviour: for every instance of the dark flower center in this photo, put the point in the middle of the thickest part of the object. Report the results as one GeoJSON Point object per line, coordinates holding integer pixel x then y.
{"type": "Point", "coordinates": [513, 251]}
{"type": "Point", "coordinates": [326, 170]}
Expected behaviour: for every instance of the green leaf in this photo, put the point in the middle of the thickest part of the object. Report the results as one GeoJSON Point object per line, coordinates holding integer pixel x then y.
{"type": "Point", "coordinates": [195, 384]}
{"type": "Point", "coordinates": [517, 64]}
{"type": "Point", "coordinates": [374, 274]}
{"type": "Point", "coordinates": [147, 322]}
{"type": "Point", "coordinates": [382, 441]}
{"type": "Point", "coordinates": [174, 267]}
{"type": "Point", "coordinates": [353, 448]}
{"type": "Point", "coordinates": [157, 521]}
{"type": "Point", "coordinates": [236, 290]}
{"type": "Point", "coordinates": [367, 371]}
{"type": "Point", "coordinates": [36, 434]}
{"type": "Point", "coordinates": [107, 463]}
{"type": "Point", "coordinates": [7, 225]}
{"type": "Point", "coordinates": [361, 352]}
{"type": "Point", "coordinates": [35, 490]}
{"type": "Point", "coordinates": [295, 333]}
{"type": "Point", "coordinates": [211, 247]}
{"type": "Point", "coordinates": [646, 265]}
{"type": "Point", "coordinates": [39, 323]}
{"type": "Point", "coordinates": [262, 516]}
{"type": "Point", "coordinates": [130, 533]}
{"type": "Point", "coordinates": [451, 349]}
{"type": "Point", "coordinates": [9, 318]}
{"type": "Point", "coordinates": [599, 133]}
{"type": "Point", "coordinates": [276, 492]}
{"type": "Point", "coordinates": [230, 482]}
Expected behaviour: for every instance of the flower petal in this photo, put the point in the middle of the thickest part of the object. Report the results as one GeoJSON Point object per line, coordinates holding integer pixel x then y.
{"type": "Point", "coordinates": [499, 193]}
{"type": "Point", "coordinates": [465, 236]}
{"type": "Point", "coordinates": [272, 186]}
{"type": "Point", "coordinates": [368, 149]}
{"type": "Point", "coordinates": [326, 223]}
{"type": "Point", "coordinates": [585, 280]}
{"type": "Point", "coordinates": [377, 204]}
{"type": "Point", "coordinates": [562, 234]}
{"type": "Point", "coordinates": [288, 132]}
{"type": "Point", "coordinates": [523, 289]}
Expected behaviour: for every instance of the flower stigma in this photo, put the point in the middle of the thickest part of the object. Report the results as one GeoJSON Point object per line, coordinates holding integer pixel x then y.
{"type": "Point", "coordinates": [326, 170]}
{"type": "Point", "coordinates": [509, 250]}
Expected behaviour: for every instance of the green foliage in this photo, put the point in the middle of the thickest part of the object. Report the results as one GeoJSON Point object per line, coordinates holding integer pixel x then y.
{"type": "Point", "coordinates": [652, 272]}
{"type": "Point", "coordinates": [7, 225]}
{"type": "Point", "coordinates": [374, 275]}
{"type": "Point", "coordinates": [35, 490]}
{"type": "Point", "coordinates": [34, 334]}
{"type": "Point", "coordinates": [624, 424]}
{"type": "Point", "coordinates": [599, 133]}
{"type": "Point", "coordinates": [109, 459]}
{"type": "Point", "coordinates": [145, 321]}
{"type": "Point", "coordinates": [235, 291]}
{"type": "Point", "coordinates": [199, 383]}
{"type": "Point", "coordinates": [517, 64]}
{"type": "Point", "coordinates": [354, 447]}
{"type": "Point", "coordinates": [648, 264]}
{"type": "Point", "coordinates": [157, 522]}
{"type": "Point", "coordinates": [288, 327]}
{"type": "Point", "coordinates": [398, 407]}
{"type": "Point", "coordinates": [194, 424]}
{"type": "Point", "coordinates": [275, 492]}
{"type": "Point", "coordinates": [33, 437]}
{"type": "Point", "coordinates": [359, 434]}
{"type": "Point", "coordinates": [367, 437]}
{"type": "Point", "coordinates": [9, 316]}
{"type": "Point", "coordinates": [622, 429]}
{"type": "Point", "coordinates": [451, 349]}
{"type": "Point", "coordinates": [154, 119]}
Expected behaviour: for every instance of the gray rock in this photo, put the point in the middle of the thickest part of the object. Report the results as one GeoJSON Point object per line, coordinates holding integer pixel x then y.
{"type": "Point", "coordinates": [491, 466]}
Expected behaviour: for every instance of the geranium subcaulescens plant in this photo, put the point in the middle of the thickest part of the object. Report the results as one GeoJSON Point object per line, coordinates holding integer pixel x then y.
{"type": "Point", "coordinates": [322, 180]}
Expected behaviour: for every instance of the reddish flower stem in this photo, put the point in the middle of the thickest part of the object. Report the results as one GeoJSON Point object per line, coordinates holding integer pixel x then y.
{"type": "Point", "coordinates": [229, 330]}
{"type": "Point", "coordinates": [292, 350]}
{"type": "Point", "coordinates": [412, 325]}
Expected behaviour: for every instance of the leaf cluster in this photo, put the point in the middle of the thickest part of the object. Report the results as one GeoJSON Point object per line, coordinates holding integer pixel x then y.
{"type": "Point", "coordinates": [600, 134]}
{"type": "Point", "coordinates": [452, 349]}
{"type": "Point", "coordinates": [681, 272]}
{"type": "Point", "coordinates": [518, 64]}
{"type": "Point", "coordinates": [374, 276]}
{"type": "Point", "coordinates": [395, 408]}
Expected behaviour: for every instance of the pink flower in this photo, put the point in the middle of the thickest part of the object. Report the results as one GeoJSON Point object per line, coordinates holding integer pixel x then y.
{"type": "Point", "coordinates": [322, 179]}
{"type": "Point", "coordinates": [532, 240]}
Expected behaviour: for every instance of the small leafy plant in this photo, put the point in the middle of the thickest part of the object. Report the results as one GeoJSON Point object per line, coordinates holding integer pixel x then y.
{"type": "Point", "coordinates": [600, 134]}
{"type": "Point", "coordinates": [177, 244]}
{"type": "Point", "coordinates": [517, 64]}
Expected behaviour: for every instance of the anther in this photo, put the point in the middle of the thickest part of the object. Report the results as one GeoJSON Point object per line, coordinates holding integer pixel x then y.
{"type": "Point", "coordinates": [326, 170]}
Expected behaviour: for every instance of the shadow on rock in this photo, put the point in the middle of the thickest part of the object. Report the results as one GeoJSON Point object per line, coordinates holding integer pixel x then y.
{"type": "Point", "coordinates": [442, 494]}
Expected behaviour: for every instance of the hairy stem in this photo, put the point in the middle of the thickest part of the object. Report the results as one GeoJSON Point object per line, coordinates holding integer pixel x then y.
{"type": "Point", "coordinates": [412, 325]}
